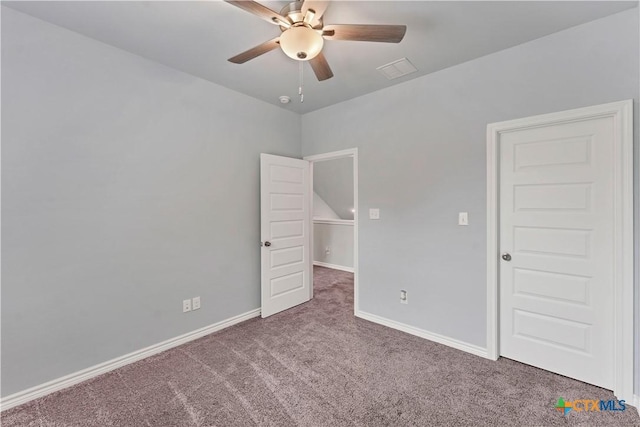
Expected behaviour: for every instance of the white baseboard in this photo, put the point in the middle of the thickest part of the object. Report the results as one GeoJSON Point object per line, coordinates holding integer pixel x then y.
{"type": "Point", "coordinates": [441, 339]}
{"type": "Point", "coordinates": [334, 266]}
{"type": "Point", "coordinates": [88, 373]}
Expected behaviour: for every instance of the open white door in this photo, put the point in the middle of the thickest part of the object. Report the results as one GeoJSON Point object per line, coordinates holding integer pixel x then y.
{"type": "Point", "coordinates": [285, 233]}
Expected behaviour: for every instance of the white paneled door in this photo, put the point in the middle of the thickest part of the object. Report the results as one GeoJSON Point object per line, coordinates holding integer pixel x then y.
{"type": "Point", "coordinates": [557, 248]}
{"type": "Point", "coordinates": [285, 232]}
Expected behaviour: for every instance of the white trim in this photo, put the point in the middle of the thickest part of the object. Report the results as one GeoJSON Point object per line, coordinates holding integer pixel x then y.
{"type": "Point", "coordinates": [77, 377]}
{"type": "Point", "coordinates": [621, 112]}
{"type": "Point", "coordinates": [636, 402]}
{"type": "Point", "coordinates": [492, 245]}
{"type": "Point", "coordinates": [333, 221]}
{"type": "Point", "coordinates": [353, 153]}
{"type": "Point", "coordinates": [333, 266]}
{"type": "Point", "coordinates": [431, 336]}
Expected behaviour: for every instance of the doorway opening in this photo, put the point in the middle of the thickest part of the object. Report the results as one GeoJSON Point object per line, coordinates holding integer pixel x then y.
{"type": "Point", "coordinates": [334, 210]}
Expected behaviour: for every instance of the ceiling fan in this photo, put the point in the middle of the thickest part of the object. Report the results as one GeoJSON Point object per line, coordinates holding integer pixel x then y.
{"type": "Point", "coordinates": [303, 33]}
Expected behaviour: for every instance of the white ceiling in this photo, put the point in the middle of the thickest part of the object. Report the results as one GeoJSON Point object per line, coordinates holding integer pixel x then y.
{"type": "Point", "coordinates": [198, 37]}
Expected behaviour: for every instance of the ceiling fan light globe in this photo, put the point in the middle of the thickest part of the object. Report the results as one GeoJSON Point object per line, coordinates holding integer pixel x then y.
{"type": "Point", "coordinates": [301, 43]}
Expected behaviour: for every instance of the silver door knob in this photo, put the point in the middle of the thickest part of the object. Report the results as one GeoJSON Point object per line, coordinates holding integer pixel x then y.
{"type": "Point", "coordinates": [267, 243]}
{"type": "Point", "coordinates": [506, 256]}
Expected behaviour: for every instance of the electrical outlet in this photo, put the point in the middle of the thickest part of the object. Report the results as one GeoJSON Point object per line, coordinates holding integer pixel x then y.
{"type": "Point", "coordinates": [186, 305]}
{"type": "Point", "coordinates": [374, 213]}
{"type": "Point", "coordinates": [196, 303]}
{"type": "Point", "coordinates": [463, 218]}
{"type": "Point", "coordinates": [327, 250]}
{"type": "Point", "coordinates": [404, 298]}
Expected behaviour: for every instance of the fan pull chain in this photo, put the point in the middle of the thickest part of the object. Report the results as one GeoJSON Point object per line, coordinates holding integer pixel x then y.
{"type": "Point", "coordinates": [301, 83]}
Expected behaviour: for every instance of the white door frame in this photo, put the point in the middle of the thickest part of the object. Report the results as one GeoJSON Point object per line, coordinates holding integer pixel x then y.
{"type": "Point", "coordinates": [622, 114]}
{"type": "Point", "coordinates": [349, 153]}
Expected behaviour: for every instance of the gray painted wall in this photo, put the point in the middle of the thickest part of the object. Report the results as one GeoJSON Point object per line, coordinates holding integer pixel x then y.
{"type": "Point", "coordinates": [126, 188]}
{"type": "Point", "coordinates": [338, 238]}
{"type": "Point", "coordinates": [422, 160]}
{"type": "Point", "coordinates": [333, 181]}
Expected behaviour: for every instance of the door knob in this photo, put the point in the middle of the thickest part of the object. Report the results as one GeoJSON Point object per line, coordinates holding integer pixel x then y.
{"type": "Point", "coordinates": [506, 256]}
{"type": "Point", "coordinates": [267, 243]}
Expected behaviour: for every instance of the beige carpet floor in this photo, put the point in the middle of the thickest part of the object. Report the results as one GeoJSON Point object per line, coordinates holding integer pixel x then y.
{"type": "Point", "coordinates": [318, 365]}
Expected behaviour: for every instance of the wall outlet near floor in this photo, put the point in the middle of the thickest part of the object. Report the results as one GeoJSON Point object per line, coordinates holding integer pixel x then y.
{"type": "Point", "coordinates": [327, 250]}
{"type": "Point", "coordinates": [463, 218]}
{"type": "Point", "coordinates": [404, 298]}
{"type": "Point", "coordinates": [196, 303]}
{"type": "Point", "coordinates": [186, 305]}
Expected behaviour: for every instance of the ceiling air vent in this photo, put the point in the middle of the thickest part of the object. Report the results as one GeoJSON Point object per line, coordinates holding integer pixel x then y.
{"type": "Point", "coordinates": [396, 69]}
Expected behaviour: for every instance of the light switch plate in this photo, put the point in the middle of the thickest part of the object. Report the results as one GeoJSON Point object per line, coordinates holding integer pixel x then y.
{"type": "Point", "coordinates": [374, 213]}
{"type": "Point", "coordinates": [196, 303]}
{"type": "Point", "coordinates": [463, 218]}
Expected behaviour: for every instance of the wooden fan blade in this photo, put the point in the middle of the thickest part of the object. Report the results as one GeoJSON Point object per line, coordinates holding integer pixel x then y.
{"type": "Point", "coordinates": [255, 51]}
{"type": "Point", "coordinates": [260, 11]}
{"type": "Point", "coordinates": [365, 33]}
{"type": "Point", "coordinates": [321, 67]}
{"type": "Point", "coordinates": [317, 6]}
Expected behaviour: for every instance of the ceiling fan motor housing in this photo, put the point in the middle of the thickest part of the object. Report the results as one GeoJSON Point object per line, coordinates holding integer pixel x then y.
{"type": "Point", "coordinates": [293, 11]}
